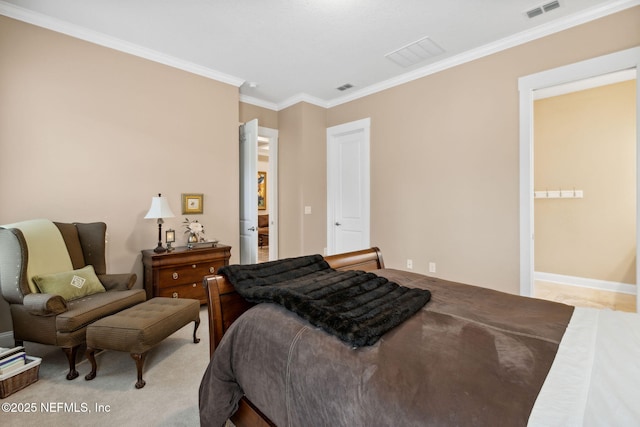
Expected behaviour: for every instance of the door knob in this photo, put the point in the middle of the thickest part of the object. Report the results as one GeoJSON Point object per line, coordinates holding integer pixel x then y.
{"type": "Point", "coordinates": [338, 224]}
{"type": "Point", "coordinates": [252, 229]}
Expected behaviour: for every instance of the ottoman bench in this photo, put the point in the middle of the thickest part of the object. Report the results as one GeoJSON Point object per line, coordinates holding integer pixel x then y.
{"type": "Point", "coordinates": [137, 329]}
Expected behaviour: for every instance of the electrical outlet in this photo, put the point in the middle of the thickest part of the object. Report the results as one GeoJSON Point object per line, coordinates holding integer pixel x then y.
{"type": "Point", "coordinates": [432, 267]}
{"type": "Point", "coordinates": [410, 264]}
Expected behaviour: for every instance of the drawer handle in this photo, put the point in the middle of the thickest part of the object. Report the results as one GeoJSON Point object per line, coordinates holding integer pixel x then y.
{"type": "Point", "coordinates": [194, 285]}
{"type": "Point", "coordinates": [194, 266]}
{"type": "Point", "coordinates": [175, 276]}
{"type": "Point", "coordinates": [175, 295]}
{"type": "Point", "coordinates": [212, 270]}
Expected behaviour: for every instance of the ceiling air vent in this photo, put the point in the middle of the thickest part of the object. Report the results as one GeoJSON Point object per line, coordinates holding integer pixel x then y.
{"type": "Point", "coordinates": [534, 12]}
{"type": "Point", "coordinates": [415, 52]}
{"type": "Point", "coordinates": [550, 6]}
{"type": "Point", "coordinates": [345, 87]}
{"type": "Point", "coordinates": [547, 7]}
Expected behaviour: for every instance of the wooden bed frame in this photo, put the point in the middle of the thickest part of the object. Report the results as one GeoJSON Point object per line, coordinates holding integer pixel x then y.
{"type": "Point", "coordinates": [225, 305]}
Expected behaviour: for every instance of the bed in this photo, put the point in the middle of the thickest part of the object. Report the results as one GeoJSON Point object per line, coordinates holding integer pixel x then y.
{"type": "Point", "coordinates": [469, 356]}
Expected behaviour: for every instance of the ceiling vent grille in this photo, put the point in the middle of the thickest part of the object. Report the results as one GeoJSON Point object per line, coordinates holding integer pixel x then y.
{"type": "Point", "coordinates": [547, 7]}
{"type": "Point", "coordinates": [345, 87]}
{"type": "Point", "coordinates": [415, 52]}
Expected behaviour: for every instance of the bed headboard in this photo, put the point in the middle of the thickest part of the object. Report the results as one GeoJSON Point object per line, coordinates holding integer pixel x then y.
{"type": "Point", "coordinates": [225, 305]}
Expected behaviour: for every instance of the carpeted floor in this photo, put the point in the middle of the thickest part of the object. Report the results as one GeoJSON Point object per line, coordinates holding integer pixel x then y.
{"type": "Point", "coordinates": [172, 371]}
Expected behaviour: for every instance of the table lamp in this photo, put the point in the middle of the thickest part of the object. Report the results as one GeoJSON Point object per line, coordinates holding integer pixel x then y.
{"type": "Point", "coordinates": [159, 209]}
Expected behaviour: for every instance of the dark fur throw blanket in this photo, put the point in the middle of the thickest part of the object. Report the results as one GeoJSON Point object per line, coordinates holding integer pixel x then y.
{"type": "Point", "coordinates": [355, 306]}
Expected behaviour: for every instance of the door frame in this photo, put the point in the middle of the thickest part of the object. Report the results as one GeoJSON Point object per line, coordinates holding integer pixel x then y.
{"type": "Point", "coordinates": [272, 189]}
{"type": "Point", "coordinates": [363, 125]}
{"type": "Point", "coordinates": [618, 61]}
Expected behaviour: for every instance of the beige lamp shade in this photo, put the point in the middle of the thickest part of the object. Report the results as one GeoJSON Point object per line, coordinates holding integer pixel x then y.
{"type": "Point", "coordinates": [159, 208]}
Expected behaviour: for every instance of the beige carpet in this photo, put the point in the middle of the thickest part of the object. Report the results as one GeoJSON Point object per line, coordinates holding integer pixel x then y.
{"type": "Point", "coordinates": [172, 370]}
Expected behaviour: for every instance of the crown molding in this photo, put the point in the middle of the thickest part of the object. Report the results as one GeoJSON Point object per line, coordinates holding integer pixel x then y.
{"type": "Point", "coordinates": [544, 30]}
{"type": "Point", "coordinates": [59, 26]}
{"type": "Point", "coordinates": [302, 97]}
{"type": "Point", "coordinates": [491, 48]}
{"type": "Point", "coordinates": [258, 102]}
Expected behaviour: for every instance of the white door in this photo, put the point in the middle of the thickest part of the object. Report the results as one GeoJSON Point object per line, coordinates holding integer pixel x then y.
{"type": "Point", "coordinates": [348, 187]}
{"type": "Point", "coordinates": [249, 192]}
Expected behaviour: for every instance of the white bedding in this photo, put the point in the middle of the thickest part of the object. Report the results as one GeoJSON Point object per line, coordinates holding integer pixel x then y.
{"type": "Point", "coordinates": [595, 377]}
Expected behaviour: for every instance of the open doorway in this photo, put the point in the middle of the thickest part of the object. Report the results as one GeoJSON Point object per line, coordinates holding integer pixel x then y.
{"type": "Point", "coordinates": [267, 194]}
{"type": "Point", "coordinates": [584, 161]}
{"type": "Point", "coordinates": [258, 191]}
{"type": "Point", "coordinates": [623, 60]}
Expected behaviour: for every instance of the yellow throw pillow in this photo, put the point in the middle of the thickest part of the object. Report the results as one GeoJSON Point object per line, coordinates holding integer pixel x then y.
{"type": "Point", "coordinates": [70, 285]}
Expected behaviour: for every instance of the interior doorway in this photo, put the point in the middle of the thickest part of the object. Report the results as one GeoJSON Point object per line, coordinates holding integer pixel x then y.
{"type": "Point", "coordinates": [584, 161]}
{"type": "Point", "coordinates": [258, 192]}
{"type": "Point", "coordinates": [348, 187]}
{"type": "Point", "coordinates": [267, 194]}
{"type": "Point", "coordinates": [624, 60]}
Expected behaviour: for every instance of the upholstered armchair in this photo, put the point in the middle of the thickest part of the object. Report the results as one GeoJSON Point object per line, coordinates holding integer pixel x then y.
{"type": "Point", "coordinates": [53, 275]}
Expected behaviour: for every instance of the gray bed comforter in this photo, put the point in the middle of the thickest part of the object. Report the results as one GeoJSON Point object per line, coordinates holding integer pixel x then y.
{"type": "Point", "coordinates": [472, 356]}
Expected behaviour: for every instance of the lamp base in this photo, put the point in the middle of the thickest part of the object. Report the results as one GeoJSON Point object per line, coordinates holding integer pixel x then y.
{"type": "Point", "coordinates": [159, 249]}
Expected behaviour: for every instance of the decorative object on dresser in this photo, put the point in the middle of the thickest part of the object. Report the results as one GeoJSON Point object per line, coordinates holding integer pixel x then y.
{"type": "Point", "coordinates": [179, 274]}
{"type": "Point", "coordinates": [170, 237]}
{"type": "Point", "coordinates": [194, 231]}
{"type": "Point", "coordinates": [159, 209]}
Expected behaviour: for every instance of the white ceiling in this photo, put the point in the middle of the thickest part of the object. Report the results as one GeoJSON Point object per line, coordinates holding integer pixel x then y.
{"type": "Point", "coordinates": [302, 50]}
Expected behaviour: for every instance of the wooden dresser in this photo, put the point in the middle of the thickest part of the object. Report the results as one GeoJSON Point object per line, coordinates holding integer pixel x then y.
{"type": "Point", "coordinates": [179, 273]}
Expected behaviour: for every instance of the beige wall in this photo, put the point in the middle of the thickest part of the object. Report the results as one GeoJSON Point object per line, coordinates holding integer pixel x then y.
{"type": "Point", "coordinates": [91, 134]}
{"type": "Point", "coordinates": [587, 141]}
{"type": "Point", "coordinates": [302, 179]}
{"type": "Point", "coordinates": [266, 117]}
{"type": "Point", "coordinates": [444, 155]}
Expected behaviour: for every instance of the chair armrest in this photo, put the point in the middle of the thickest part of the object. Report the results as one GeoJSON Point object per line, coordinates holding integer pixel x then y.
{"type": "Point", "coordinates": [118, 282]}
{"type": "Point", "coordinates": [44, 304]}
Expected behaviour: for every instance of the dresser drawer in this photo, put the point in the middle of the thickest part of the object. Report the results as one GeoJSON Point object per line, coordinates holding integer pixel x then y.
{"type": "Point", "coordinates": [182, 274]}
{"type": "Point", "coordinates": [179, 273]}
{"type": "Point", "coordinates": [193, 291]}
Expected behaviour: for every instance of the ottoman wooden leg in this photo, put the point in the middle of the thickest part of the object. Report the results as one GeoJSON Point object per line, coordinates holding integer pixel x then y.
{"type": "Point", "coordinates": [91, 356]}
{"type": "Point", "coordinates": [195, 328]}
{"type": "Point", "coordinates": [139, 358]}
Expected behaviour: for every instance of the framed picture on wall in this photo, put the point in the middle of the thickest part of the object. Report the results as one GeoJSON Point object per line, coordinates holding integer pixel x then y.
{"type": "Point", "coordinates": [192, 203]}
{"type": "Point", "coordinates": [262, 190]}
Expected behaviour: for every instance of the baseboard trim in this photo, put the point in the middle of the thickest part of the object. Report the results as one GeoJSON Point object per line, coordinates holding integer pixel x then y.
{"type": "Point", "coordinates": [584, 282]}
